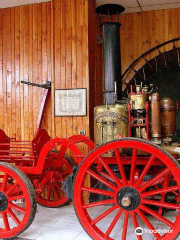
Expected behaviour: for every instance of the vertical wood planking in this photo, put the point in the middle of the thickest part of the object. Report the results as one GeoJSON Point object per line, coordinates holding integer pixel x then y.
{"type": "Point", "coordinates": [30, 98]}
{"type": "Point", "coordinates": [1, 70]}
{"type": "Point", "coordinates": [71, 57]}
{"type": "Point", "coordinates": [13, 92]}
{"type": "Point", "coordinates": [17, 73]}
{"type": "Point", "coordinates": [74, 57]}
{"type": "Point", "coordinates": [68, 40]}
{"type": "Point", "coordinates": [57, 53]}
{"type": "Point", "coordinates": [25, 55]}
{"type": "Point", "coordinates": [57, 41]}
{"type": "Point", "coordinates": [149, 29]}
{"type": "Point", "coordinates": [26, 71]}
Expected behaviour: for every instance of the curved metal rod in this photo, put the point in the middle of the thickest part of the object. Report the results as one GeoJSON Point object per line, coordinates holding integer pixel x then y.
{"type": "Point", "coordinates": [149, 51]}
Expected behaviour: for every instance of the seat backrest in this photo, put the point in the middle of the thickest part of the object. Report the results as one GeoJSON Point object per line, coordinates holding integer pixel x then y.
{"type": "Point", "coordinates": [4, 143]}
{"type": "Point", "coordinates": [41, 138]}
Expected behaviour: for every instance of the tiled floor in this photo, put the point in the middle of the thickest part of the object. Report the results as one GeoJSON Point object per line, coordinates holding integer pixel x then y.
{"type": "Point", "coordinates": [62, 224]}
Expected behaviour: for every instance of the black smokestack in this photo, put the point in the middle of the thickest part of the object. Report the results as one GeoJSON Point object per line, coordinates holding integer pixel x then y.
{"type": "Point", "coordinates": [111, 51]}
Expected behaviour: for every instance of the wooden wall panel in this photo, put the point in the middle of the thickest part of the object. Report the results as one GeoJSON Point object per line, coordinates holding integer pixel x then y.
{"type": "Point", "coordinates": [1, 71]}
{"type": "Point", "coordinates": [95, 63]}
{"type": "Point", "coordinates": [25, 55]}
{"type": "Point", "coordinates": [71, 58]}
{"type": "Point", "coordinates": [143, 31]}
{"type": "Point", "coordinates": [56, 41]}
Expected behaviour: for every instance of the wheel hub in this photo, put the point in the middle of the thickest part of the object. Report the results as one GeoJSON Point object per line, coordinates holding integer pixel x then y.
{"type": "Point", "coordinates": [128, 198]}
{"type": "Point", "coordinates": [3, 202]}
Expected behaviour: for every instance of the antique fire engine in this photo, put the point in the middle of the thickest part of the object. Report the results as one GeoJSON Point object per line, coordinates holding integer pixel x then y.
{"type": "Point", "coordinates": [131, 178]}
{"type": "Point", "coordinates": [142, 114]}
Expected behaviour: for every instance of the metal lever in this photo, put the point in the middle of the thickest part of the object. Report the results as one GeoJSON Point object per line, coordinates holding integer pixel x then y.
{"type": "Point", "coordinates": [47, 85]}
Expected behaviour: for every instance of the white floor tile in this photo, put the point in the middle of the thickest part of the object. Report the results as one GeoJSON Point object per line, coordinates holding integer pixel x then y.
{"type": "Point", "coordinates": [62, 224]}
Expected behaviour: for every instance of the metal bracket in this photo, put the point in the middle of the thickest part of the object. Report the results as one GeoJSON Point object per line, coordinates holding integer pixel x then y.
{"type": "Point", "coordinates": [47, 85]}
{"type": "Point", "coordinates": [67, 186]}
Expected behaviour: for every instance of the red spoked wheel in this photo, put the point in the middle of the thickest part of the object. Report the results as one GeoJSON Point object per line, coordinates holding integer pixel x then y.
{"type": "Point", "coordinates": [17, 201]}
{"type": "Point", "coordinates": [48, 187]}
{"type": "Point", "coordinates": [126, 192]}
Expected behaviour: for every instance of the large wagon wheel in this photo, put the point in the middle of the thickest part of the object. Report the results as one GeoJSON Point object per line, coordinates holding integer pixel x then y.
{"type": "Point", "coordinates": [17, 201]}
{"type": "Point", "coordinates": [127, 191]}
{"type": "Point", "coordinates": [48, 187]}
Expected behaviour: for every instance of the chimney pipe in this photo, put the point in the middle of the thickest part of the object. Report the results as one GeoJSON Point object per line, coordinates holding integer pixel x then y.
{"type": "Point", "coordinates": [111, 51]}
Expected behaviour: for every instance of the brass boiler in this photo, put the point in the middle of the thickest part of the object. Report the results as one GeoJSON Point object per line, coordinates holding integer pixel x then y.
{"type": "Point", "coordinates": [110, 121]}
{"type": "Point", "coordinates": [138, 100]}
{"type": "Point", "coordinates": [168, 117]}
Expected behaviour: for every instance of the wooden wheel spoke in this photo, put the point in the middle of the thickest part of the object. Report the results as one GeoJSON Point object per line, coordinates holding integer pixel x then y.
{"type": "Point", "coordinates": [125, 226]}
{"type": "Point", "coordinates": [111, 227]}
{"type": "Point", "coordinates": [58, 186]}
{"type": "Point", "coordinates": [14, 198]}
{"type": "Point", "coordinates": [48, 193]}
{"type": "Point", "coordinates": [156, 215]}
{"type": "Point", "coordinates": [103, 215]}
{"type": "Point", "coordinates": [16, 216]}
{"type": "Point", "coordinates": [62, 193]}
{"type": "Point", "coordinates": [13, 216]}
{"type": "Point", "coordinates": [16, 207]}
{"type": "Point", "coordinates": [102, 180]}
{"type": "Point", "coordinates": [6, 221]}
{"type": "Point", "coordinates": [161, 204]}
{"type": "Point", "coordinates": [159, 191]}
{"type": "Point", "coordinates": [4, 183]}
{"type": "Point", "coordinates": [55, 193]}
{"type": "Point", "coordinates": [111, 173]}
{"type": "Point", "coordinates": [65, 173]}
{"type": "Point", "coordinates": [145, 170]}
{"type": "Point", "coordinates": [133, 167]}
{"type": "Point", "coordinates": [148, 224]}
{"type": "Point", "coordinates": [12, 188]}
{"type": "Point", "coordinates": [98, 191]}
{"type": "Point", "coordinates": [100, 203]}
{"type": "Point", "coordinates": [141, 176]}
{"type": "Point", "coordinates": [44, 181]}
{"type": "Point", "coordinates": [43, 188]}
{"type": "Point", "coordinates": [156, 178]}
{"type": "Point", "coordinates": [136, 225]}
{"type": "Point", "coordinates": [121, 168]}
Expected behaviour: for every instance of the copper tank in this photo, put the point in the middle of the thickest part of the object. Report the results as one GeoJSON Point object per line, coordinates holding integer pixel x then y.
{"type": "Point", "coordinates": [155, 116]}
{"type": "Point", "coordinates": [168, 117]}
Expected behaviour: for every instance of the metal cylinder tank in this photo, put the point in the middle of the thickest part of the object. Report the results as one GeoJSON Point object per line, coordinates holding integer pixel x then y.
{"type": "Point", "coordinates": [155, 116]}
{"type": "Point", "coordinates": [110, 122]}
{"type": "Point", "coordinates": [168, 117]}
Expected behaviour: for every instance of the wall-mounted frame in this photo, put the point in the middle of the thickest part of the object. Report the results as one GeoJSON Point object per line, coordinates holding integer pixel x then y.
{"type": "Point", "coordinates": [70, 102]}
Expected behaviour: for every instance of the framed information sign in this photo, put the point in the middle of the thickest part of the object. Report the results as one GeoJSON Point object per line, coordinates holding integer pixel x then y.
{"type": "Point", "coordinates": [71, 102]}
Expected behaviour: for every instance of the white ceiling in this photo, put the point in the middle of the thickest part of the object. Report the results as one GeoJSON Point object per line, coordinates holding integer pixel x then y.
{"type": "Point", "coordinates": [130, 5]}
{"type": "Point", "coordinates": [143, 5]}
{"type": "Point", "coordinates": [13, 3]}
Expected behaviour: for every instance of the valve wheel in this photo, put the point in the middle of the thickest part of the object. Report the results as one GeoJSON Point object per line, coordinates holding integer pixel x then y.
{"type": "Point", "coordinates": [48, 188]}
{"type": "Point", "coordinates": [17, 201]}
{"type": "Point", "coordinates": [123, 199]}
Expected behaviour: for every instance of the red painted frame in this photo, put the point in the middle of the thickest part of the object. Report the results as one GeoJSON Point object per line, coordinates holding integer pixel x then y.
{"type": "Point", "coordinates": [39, 149]}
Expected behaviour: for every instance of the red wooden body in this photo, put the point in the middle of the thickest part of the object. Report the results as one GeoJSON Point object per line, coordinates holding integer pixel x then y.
{"type": "Point", "coordinates": [31, 156]}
